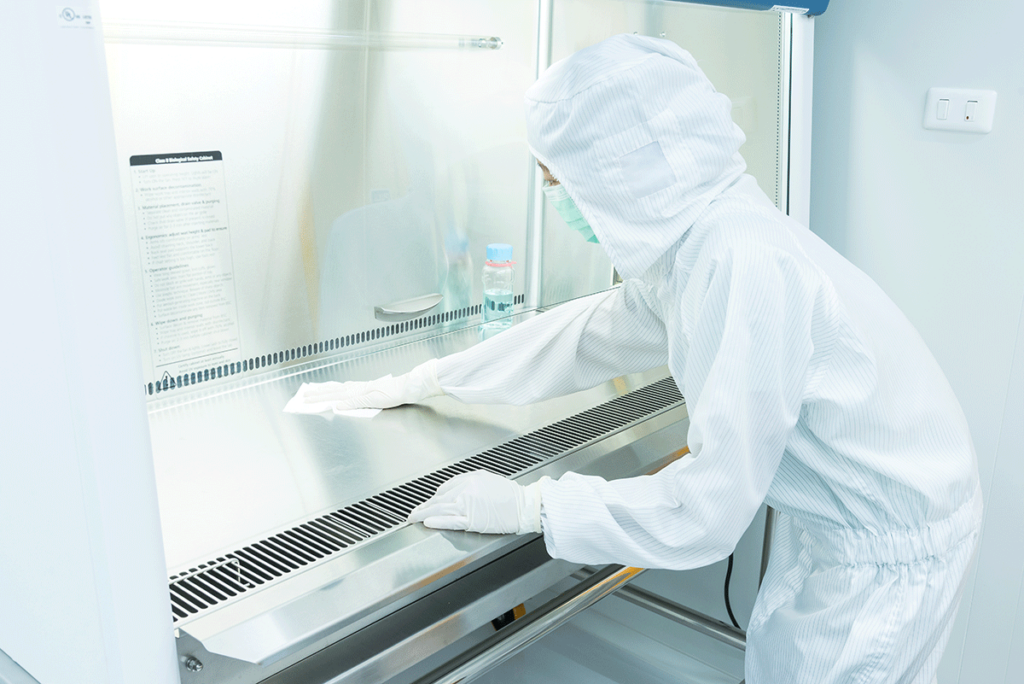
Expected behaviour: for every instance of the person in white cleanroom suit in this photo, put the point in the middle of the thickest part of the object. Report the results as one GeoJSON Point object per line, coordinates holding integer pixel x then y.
{"type": "Point", "coordinates": [806, 387]}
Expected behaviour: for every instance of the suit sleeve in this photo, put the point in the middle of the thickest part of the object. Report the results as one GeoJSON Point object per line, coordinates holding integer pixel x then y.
{"type": "Point", "coordinates": [573, 347]}
{"type": "Point", "coordinates": [744, 370]}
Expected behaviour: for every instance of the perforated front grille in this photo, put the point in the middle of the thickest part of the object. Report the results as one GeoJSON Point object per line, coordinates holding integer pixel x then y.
{"type": "Point", "coordinates": [219, 580]}
{"type": "Point", "coordinates": [273, 358]}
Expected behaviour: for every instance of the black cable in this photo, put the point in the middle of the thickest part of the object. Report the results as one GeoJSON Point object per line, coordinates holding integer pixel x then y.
{"type": "Point", "coordinates": [728, 605]}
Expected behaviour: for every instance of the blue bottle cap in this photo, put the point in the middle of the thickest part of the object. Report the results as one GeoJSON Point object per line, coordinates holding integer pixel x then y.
{"type": "Point", "coordinates": [499, 251]}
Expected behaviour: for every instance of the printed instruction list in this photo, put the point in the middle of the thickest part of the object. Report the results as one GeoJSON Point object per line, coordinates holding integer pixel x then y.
{"type": "Point", "coordinates": [181, 220]}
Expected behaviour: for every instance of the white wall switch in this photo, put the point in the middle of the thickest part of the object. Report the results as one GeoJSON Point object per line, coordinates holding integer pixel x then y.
{"type": "Point", "coordinates": [958, 109]}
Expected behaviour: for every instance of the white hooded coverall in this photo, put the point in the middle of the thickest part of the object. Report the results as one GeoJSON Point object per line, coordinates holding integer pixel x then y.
{"type": "Point", "coordinates": [806, 387]}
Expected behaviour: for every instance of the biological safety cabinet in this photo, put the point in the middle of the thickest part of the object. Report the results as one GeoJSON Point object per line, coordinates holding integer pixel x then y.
{"type": "Point", "coordinates": [230, 199]}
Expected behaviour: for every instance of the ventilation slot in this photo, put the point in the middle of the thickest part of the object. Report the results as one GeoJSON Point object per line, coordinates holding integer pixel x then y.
{"type": "Point", "coordinates": [169, 382]}
{"type": "Point", "coordinates": [220, 580]}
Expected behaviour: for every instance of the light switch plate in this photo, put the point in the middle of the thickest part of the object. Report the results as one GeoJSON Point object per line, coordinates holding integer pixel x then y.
{"type": "Point", "coordinates": [956, 115]}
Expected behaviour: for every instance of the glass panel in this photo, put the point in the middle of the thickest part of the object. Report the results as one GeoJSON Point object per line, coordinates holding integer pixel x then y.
{"type": "Point", "coordinates": [740, 51]}
{"type": "Point", "coordinates": [292, 174]}
{"type": "Point", "coordinates": [288, 167]}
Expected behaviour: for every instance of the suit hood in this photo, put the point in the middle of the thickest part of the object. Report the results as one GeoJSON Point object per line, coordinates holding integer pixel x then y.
{"type": "Point", "coordinates": [640, 139]}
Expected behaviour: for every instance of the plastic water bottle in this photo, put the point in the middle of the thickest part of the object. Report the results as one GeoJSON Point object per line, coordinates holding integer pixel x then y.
{"type": "Point", "coordinates": [498, 276]}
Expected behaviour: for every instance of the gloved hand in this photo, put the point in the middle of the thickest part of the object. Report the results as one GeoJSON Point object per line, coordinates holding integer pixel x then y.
{"type": "Point", "coordinates": [418, 384]}
{"type": "Point", "coordinates": [482, 502]}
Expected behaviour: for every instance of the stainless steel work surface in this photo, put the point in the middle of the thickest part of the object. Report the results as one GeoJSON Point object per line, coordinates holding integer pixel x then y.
{"type": "Point", "coordinates": [235, 471]}
{"type": "Point", "coordinates": [233, 467]}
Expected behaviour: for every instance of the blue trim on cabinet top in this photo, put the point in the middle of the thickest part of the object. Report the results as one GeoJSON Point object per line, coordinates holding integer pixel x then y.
{"type": "Point", "coordinates": [813, 7]}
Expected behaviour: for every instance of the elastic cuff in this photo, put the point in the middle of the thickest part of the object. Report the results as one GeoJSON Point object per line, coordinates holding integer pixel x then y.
{"type": "Point", "coordinates": [529, 514]}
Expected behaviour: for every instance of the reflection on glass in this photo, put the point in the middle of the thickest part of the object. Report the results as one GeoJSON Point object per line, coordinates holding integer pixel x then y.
{"type": "Point", "coordinates": [386, 252]}
{"type": "Point", "coordinates": [370, 169]}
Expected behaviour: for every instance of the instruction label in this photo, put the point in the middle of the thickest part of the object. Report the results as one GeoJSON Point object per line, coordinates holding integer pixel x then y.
{"type": "Point", "coordinates": [181, 219]}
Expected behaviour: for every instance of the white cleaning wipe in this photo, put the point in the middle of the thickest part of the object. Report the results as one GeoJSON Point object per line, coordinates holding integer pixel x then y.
{"type": "Point", "coordinates": [297, 404]}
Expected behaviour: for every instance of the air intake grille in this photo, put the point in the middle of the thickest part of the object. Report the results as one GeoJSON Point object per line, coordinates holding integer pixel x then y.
{"type": "Point", "coordinates": [261, 361]}
{"type": "Point", "coordinates": [223, 578]}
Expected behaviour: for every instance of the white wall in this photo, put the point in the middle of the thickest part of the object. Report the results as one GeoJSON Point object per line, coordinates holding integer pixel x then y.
{"type": "Point", "coordinates": [937, 219]}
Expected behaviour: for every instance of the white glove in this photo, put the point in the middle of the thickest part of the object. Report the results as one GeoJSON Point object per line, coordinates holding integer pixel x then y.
{"type": "Point", "coordinates": [482, 502]}
{"type": "Point", "coordinates": [418, 384]}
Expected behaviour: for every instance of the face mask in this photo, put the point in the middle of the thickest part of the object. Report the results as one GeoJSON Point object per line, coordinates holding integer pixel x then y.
{"type": "Point", "coordinates": [567, 209]}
